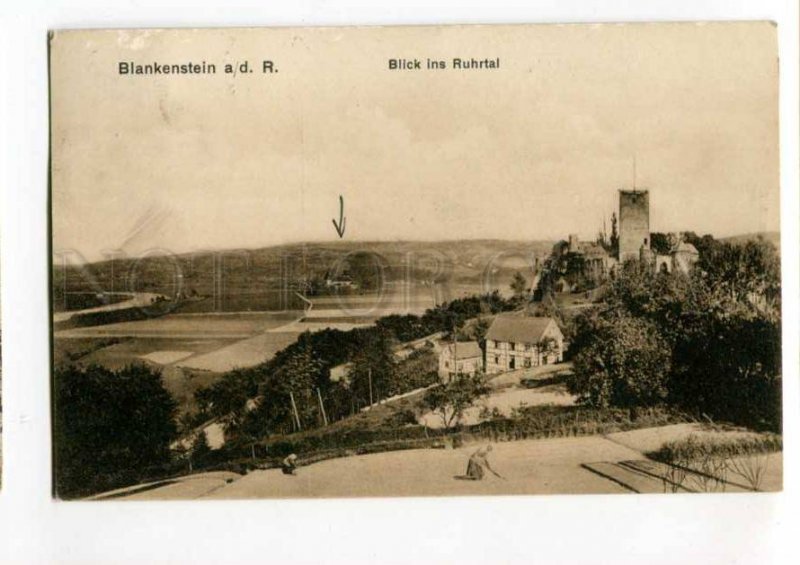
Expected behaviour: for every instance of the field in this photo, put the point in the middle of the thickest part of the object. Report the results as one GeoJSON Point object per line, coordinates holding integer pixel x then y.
{"type": "Point", "coordinates": [243, 353]}
{"type": "Point", "coordinates": [192, 350]}
{"type": "Point", "coordinates": [128, 350]}
{"type": "Point", "coordinates": [211, 342]}
{"type": "Point", "coordinates": [221, 341]}
{"type": "Point", "coordinates": [189, 326]}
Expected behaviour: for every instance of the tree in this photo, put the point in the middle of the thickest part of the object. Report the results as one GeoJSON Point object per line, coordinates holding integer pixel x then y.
{"type": "Point", "coordinates": [547, 307]}
{"type": "Point", "coordinates": [721, 326]}
{"type": "Point", "coordinates": [480, 328]}
{"type": "Point", "coordinates": [450, 400]}
{"type": "Point", "coordinates": [373, 372]}
{"type": "Point", "coordinates": [704, 244]}
{"type": "Point", "coordinates": [200, 447]}
{"type": "Point", "coordinates": [519, 285]}
{"type": "Point", "coordinates": [660, 243]}
{"type": "Point", "coordinates": [727, 365]}
{"type": "Point", "coordinates": [110, 427]}
{"type": "Point", "coordinates": [547, 346]}
{"type": "Point", "coordinates": [290, 385]}
{"type": "Point", "coordinates": [727, 352]}
{"type": "Point", "coordinates": [614, 240]}
{"type": "Point", "coordinates": [226, 398]}
{"type": "Point", "coordinates": [749, 271]}
{"type": "Point", "coordinates": [625, 362]}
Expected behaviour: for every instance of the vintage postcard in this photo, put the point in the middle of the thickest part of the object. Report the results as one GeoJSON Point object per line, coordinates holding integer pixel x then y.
{"type": "Point", "coordinates": [422, 261]}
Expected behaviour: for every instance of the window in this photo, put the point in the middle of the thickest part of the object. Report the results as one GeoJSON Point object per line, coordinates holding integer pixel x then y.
{"type": "Point", "coordinates": [447, 364]}
{"type": "Point", "coordinates": [527, 362]}
{"type": "Point", "coordinates": [496, 359]}
{"type": "Point", "coordinates": [513, 346]}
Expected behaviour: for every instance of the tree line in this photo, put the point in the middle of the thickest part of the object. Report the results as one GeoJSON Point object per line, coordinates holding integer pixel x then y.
{"type": "Point", "coordinates": [708, 342]}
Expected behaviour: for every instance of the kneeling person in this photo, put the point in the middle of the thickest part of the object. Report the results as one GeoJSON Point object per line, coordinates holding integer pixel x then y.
{"type": "Point", "coordinates": [289, 464]}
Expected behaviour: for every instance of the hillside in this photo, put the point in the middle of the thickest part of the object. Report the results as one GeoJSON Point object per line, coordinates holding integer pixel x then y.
{"type": "Point", "coordinates": [266, 278]}
{"type": "Point", "coordinates": [773, 237]}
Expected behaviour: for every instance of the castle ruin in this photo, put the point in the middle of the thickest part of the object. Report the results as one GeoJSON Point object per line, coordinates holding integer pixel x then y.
{"type": "Point", "coordinates": [634, 223]}
{"type": "Point", "coordinates": [635, 241]}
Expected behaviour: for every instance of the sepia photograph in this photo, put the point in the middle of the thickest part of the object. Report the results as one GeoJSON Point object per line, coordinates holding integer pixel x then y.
{"type": "Point", "coordinates": [415, 261]}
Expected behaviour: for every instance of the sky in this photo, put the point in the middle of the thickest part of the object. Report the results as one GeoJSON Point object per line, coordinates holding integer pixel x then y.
{"type": "Point", "coordinates": [534, 150]}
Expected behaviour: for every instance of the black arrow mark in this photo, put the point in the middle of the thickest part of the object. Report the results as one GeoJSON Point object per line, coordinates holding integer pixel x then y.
{"type": "Point", "coordinates": [340, 226]}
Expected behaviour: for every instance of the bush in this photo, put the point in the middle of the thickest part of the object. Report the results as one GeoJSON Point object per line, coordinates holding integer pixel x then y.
{"type": "Point", "coordinates": [110, 428]}
{"type": "Point", "coordinates": [322, 440]}
{"type": "Point", "coordinates": [694, 448]}
{"type": "Point", "coordinates": [710, 464]}
{"type": "Point", "coordinates": [729, 369]}
{"type": "Point", "coordinates": [535, 422]}
{"type": "Point", "coordinates": [625, 362]}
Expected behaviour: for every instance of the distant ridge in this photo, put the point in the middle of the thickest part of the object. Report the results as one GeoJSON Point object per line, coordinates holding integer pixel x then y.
{"type": "Point", "coordinates": [774, 237]}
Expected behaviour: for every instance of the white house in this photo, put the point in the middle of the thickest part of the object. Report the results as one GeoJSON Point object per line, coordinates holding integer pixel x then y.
{"type": "Point", "coordinates": [462, 358]}
{"type": "Point", "coordinates": [516, 342]}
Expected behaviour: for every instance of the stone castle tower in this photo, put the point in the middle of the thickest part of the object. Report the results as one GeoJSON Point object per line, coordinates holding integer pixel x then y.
{"type": "Point", "coordinates": [634, 223]}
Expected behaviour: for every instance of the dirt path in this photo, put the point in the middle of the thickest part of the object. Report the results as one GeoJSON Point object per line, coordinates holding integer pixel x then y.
{"type": "Point", "coordinates": [184, 488]}
{"type": "Point", "coordinates": [550, 466]}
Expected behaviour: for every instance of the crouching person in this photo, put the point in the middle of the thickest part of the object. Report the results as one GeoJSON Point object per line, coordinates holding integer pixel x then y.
{"type": "Point", "coordinates": [477, 465]}
{"type": "Point", "coordinates": [289, 464]}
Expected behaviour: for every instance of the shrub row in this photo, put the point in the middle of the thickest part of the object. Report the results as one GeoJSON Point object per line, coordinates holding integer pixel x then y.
{"type": "Point", "coordinates": [564, 421]}
{"type": "Point", "coordinates": [527, 423]}
{"type": "Point", "coordinates": [694, 448]}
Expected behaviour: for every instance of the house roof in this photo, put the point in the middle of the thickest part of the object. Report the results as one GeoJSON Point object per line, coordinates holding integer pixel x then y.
{"type": "Point", "coordinates": [518, 329]}
{"type": "Point", "coordinates": [465, 349]}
